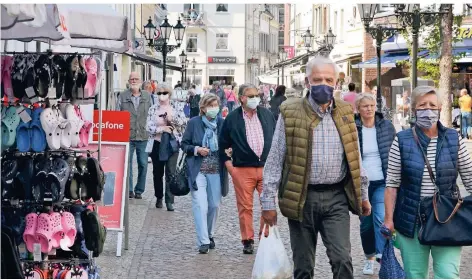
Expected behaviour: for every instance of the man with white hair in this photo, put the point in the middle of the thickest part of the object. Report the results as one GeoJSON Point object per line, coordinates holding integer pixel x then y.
{"type": "Point", "coordinates": [137, 102]}
{"type": "Point", "coordinates": [315, 165]}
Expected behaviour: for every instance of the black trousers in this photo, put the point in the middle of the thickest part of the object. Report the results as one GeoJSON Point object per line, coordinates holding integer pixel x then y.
{"type": "Point", "coordinates": [326, 212]}
{"type": "Point", "coordinates": [158, 168]}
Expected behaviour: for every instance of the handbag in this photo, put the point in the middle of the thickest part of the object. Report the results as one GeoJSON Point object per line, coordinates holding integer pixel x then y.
{"type": "Point", "coordinates": [444, 220]}
{"type": "Point", "coordinates": [176, 174]}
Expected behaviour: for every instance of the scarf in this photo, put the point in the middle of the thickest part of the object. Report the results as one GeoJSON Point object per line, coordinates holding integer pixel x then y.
{"type": "Point", "coordinates": [210, 139]}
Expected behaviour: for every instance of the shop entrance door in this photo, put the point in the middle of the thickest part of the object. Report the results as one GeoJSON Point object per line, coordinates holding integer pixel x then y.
{"type": "Point", "coordinates": [225, 80]}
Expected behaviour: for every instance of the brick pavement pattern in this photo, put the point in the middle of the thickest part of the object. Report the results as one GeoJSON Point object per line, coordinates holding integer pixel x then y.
{"type": "Point", "coordinates": [163, 244]}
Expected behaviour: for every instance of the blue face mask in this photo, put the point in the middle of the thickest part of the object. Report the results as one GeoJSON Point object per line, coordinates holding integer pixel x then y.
{"type": "Point", "coordinates": [321, 94]}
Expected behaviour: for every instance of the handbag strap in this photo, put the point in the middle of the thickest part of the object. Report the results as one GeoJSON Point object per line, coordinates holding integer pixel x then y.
{"type": "Point", "coordinates": [428, 165]}
{"type": "Point", "coordinates": [433, 178]}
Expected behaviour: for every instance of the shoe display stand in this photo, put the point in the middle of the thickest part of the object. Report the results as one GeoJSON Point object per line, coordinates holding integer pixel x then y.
{"type": "Point", "coordinates": [50, 182]}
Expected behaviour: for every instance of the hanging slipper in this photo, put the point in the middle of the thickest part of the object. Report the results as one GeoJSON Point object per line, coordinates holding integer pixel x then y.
{"type": "Point", "coordinates": [76, 125]}
{"type": "Point", "coordinates": [57, 178]}
{"type": "Point", "coordinates": [50, 123]}
{"type": "Point", "coordinates": [59, 75]}
{"type": "Point", "coordinates": [94, 179]}
{"type": "Point", "coordinates": [58, 230]}
{"type": "Point", "coordinates": [23, 134]}
{"type": "Point", "coordinates": [9, 125]}
{"type": "Point", "coordinates": [38, 136]}
{"type": "Point", "coordinates": [91, 68]}
{"type": "Point", "coordinates": [42, 71]}
{"type": "Point", "coordinates": [44, 231]}
{"type": "Point", "coordinates": [66, 127]}
{"type": "Point", "coordinates": [70, 231]}
{"type": "Point", "coordinates": [7, 68]}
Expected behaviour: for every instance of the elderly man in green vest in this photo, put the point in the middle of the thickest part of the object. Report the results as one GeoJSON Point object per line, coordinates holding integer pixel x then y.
{"type": "Point", "coordinates": [137, 102]}
{"type": "Point", "coordinates": [315, 165]}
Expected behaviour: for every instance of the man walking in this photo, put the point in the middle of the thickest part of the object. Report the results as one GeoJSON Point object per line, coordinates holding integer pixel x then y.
{"type": "Point", "coordinates": [248, 131]}
{"type": "Point", "coordinates": [137, 102]}
{"type": "Point", "coordinates": [218, 91]}
{"type": "Point", "coordinates": [315, 165]}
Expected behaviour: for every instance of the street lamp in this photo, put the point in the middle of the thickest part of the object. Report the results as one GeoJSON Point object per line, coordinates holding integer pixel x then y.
{"type": "Point", "coordinates": [185, 71]}
{"type": "Point", "coordinates": [330, 39]}
{"type": "Point", "coordinates": [308, 38]}
{"type": "Point", "coordinates": [194, 65]}
{"type": "Point", "coordinates": [410, 15]}
{"type": "Point", "coordinates": [165, 32]}
{"type": "Point", "coordinates": [182, 58]}
{"type": "Point", "coordinates": [283, 57]}
{"type": "Point", "coordinates": [379, 33]}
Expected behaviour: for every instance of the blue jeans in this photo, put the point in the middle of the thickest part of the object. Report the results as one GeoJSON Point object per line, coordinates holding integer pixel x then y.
{"type": "Point", "coordinates": [231, 106]}
{"type": "Point", "coordinates": [142, 158]}
{"type": "Point", "coordinates": [466, 122]}
{"type": "Point", "coordinates": [206, 205]}
{"type": "Point", "coordinates": [373, 241]}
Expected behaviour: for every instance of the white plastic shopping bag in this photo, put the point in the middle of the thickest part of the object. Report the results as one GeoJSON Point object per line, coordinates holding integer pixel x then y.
{"type": "Point", "coordinates": [272, 261]}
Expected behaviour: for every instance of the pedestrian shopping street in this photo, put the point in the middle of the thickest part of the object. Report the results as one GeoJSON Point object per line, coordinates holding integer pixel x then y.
{"type": "Point", "coordinates": [162, 244]}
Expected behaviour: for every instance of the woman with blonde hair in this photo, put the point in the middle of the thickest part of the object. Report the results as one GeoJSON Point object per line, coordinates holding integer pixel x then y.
{"type": "Point", "coordinates": [163, 117]}
{"type": "Point", "coordinates": [207, 175]}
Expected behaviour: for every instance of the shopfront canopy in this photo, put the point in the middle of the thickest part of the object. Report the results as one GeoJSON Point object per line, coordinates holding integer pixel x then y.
{"type": "Point", "coordinates": [46, 24]}
{"type": "Point", "coordinates": [95, 26]}
{"type": "Point", "coordinates": [152, 61]}
{"type": "Point", "coordinates": [388, 60]}
{"type": "Point", "coordinates": [464, 54]}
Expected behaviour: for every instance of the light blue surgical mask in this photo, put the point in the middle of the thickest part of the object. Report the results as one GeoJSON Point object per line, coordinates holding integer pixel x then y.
{"type": "Point", "coordinates": [212, 112]}
{"type": "Point", "coordinates": [252, 103]}
{"type": "Point", "coordinates": [426, 118]}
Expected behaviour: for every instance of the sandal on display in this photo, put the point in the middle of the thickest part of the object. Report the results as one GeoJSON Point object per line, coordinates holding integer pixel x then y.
{"type": "Point", "coordinates": [50, 123]}
{"type": "Point", "coordinates": [40, 184]}
{"type": "Point", "coordinates": [57, 178]}
{"type": "Point", "coordinates": [23, 134]}
{"type": "Point", "coordinates": [59, 75]}
{"type": "Point", "coordinates": [58, 229]}
{"type": "Point", "coordinates": [29, 236]}
{"type": "Point", "coordinates": [66, 128]}
{"type": "Point", "coordinates": [38, 136]}
{"type": "Point", "coordinates": [94, 232]}
{"type": "Point", "coordinates": [70, 230]}
{"type": "Point", "coordinates": [84, 130]}
{"type": "Point", "coordinates": [25, 176]}
{"type": "Point", "coordinates": [10, 122]}
{"type": "Point", "coordinates": [7, 65]}
{"type": "Point", "coordinates": [42, 74]}
{"type": "Point", "coordinates": [44, 231]}
{"type": "Point", "coordinates": [9, 172]}
{"type": "Point", "coordinates": [95, 179]}
{"type": "Point", "coordinates": [76, 124]}
{"type": "Point", "coordinates": [91, 67]}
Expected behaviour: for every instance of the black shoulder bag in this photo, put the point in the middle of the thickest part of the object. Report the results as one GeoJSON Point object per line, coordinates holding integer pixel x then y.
{"type": "Point", "coordinates": [444, 220]}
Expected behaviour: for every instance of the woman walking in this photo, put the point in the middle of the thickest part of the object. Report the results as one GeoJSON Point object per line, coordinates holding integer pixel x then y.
{"type": "Point", "coordinates": [375, 138]}
{"type": "Point", "coordinates": [231, 98]}
{"type": "Point", "coordinates": [276, 100]}
{"type": "Point", "coordinates": [207, 175]}
{"type": "Point", "coordinates": [408, 181]}
{"type": "Point", "coordinates": [163, 117]}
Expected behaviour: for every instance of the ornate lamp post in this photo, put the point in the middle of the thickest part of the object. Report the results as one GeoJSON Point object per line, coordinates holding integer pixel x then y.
{"type": "Point", "coordinates": [194, 65]}
{"type": "Point", "coordinates": [379, 33]}
{"type": "Point", "coordinates": [308, 39]}
{"type": "Point", "coordinates": [283, 57]}
{"type": "Point", "coordinates": [182, 58]}
{"type": "Point", "coordinates": [186, 78]}
{"type": "Point", "coordinates": [165, 31]}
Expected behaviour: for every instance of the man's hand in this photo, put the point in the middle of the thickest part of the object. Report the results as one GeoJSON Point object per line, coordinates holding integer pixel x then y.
{"type": "Point", "coordinates": [203, 151]}
{"type": "Point", "coordinates": [366, 208]}
{"type": "Point", "coordinates": [270, 217]}
{"type": "Point", "coordinates": [388, 224]}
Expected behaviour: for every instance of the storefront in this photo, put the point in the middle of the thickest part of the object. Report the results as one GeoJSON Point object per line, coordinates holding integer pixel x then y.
{"type": "Point", "coordinates": [222, 69]}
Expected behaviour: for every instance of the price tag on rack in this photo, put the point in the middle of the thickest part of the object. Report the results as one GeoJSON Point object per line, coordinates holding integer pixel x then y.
{"type": "Point", "coordinates": [21, 111]}
{"type": "Point", "coordinates": [37, 252]}
{"type": "Point", "coordinates": [52, 92]}
{"type": "Point", "coordinates": [31, 94]}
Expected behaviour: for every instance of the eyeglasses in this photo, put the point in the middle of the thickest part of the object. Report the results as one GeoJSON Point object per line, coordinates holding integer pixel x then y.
{"type": "Point", "coordinates": [162, 93]}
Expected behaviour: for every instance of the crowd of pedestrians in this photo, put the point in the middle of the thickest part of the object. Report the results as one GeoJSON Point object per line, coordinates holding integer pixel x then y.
{"type": "Point", "coordinates": [317, 157]}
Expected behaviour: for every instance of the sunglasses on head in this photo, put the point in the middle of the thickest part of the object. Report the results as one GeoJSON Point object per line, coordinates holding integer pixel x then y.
{"type": "Point", "coordinates": [162, 93]}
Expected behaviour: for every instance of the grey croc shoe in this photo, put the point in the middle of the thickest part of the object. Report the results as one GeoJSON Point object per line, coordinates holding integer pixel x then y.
{"type": "Point", "coordinates": [57, 179]}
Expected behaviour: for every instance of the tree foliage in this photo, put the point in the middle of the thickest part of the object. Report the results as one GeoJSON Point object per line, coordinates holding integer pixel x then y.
{"type": "Point", "coordinates": [428, 67]}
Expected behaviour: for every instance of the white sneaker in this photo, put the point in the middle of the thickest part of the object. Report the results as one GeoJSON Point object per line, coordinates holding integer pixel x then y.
{"type": "Point", "coordinates": [368, 267]}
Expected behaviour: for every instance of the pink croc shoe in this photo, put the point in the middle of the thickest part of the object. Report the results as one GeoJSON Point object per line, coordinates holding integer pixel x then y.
{"type": "Point", "coordinates": [70, 231]}
{"type": "Point", "coordinates": [58, 230]}
{"type": "Point", "coordinates": [44, 232]}
{"type": "Point", "coordinates": [29, 235]}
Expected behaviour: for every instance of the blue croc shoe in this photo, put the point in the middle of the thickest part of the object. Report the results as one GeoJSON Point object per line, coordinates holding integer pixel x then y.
{"type": "Point", "coordinates": [23, 134]}
{"type": "Point", "coordinates": [38, 136]}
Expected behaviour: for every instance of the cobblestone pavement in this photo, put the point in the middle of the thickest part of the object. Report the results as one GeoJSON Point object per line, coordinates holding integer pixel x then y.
{"type": "Point", "coordinates": [163, 244]}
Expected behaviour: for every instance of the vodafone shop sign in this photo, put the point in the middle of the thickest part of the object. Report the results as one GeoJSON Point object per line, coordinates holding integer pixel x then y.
{"type": "Point", "coordinates": [115, 126]}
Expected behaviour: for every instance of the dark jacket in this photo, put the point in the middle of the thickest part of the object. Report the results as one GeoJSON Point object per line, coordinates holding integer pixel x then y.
{"type": "Point", "coordinates": [409, 193]}
{"type": "Point", "coordinates": [233, 135]}
{"type": "Point", "coordinates": [385, 136]}
{"type": "Point", "coordinates": [192, 138]}
{"type": "Point", "coordinates": [275, 104]}
{"type": "Point", "coordinates": [168, 146]}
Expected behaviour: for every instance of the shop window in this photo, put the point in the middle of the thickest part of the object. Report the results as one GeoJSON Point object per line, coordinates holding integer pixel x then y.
{"type": "Point", "coordinates": [222, 42]}
{"type": "Point", "coordinates": [192, 43]}
{"type": "Point", "coordinates": [222, 8]}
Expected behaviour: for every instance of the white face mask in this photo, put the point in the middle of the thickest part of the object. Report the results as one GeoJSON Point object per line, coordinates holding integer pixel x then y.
{"type": "Point", "coordinates": [253, 102]}
{"type": "Point", "coordinates": [163, 97]}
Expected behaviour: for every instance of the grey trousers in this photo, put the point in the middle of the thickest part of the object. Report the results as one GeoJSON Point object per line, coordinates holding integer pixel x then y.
{"type": "Point", "coordinates": [326, 211]}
